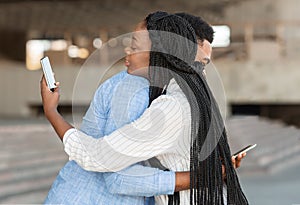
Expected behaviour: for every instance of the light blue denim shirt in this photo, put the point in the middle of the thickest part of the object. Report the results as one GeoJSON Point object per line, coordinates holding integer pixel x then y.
{"type": "Point", "coordinates": [118, 101]}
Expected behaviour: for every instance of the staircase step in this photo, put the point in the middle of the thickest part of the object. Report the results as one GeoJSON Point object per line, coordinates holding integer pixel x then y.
{"type": "Point", "coordinates": [277, 143]}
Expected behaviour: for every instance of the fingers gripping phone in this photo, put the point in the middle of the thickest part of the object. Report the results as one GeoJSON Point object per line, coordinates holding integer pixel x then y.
{"type": "Point", "coordinates": [48, 73]}
{"type": "Point", "coordinates": [245, 149]}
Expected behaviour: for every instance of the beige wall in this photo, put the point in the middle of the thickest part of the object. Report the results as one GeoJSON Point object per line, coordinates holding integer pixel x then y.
{"type": "Point", "coordinates": [19, 87]}
{"type": "Point", "coordinates": [271, 82]}
{"type": "Point", "coordinates": [256, 82]}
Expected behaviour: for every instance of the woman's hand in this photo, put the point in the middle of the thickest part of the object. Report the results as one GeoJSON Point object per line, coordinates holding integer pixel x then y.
{"type": "Point", "coordinates": [236, 162]}
{"type": "Point", "coordinates": [50, 99]}
{"type": "Point", "coordinates": [50, 102]}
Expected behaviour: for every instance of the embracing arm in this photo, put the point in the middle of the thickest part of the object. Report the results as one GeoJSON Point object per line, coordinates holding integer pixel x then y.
{"type": "Point", "coordinates": [179, 181]}
{"type": "Point", "coordinates": [128, 101]}
{"type": "Point", "coordinates": [153, 134]}
{"type": "Point", "coordinates": [138, 180]}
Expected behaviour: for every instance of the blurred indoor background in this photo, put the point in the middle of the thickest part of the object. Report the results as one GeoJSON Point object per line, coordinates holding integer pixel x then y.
{"type": "Point", "coordinates": [256, 52]}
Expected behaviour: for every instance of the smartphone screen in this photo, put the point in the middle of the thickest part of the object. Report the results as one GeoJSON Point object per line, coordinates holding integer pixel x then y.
{"type": "Point", "coordinates": [48, 73]}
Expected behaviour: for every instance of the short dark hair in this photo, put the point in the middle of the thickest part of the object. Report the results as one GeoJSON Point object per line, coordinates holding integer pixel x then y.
{"type": "Point", "coordinates": [202, 29]}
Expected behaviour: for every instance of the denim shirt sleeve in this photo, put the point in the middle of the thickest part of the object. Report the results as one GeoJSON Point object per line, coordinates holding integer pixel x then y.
{"type": "Point", "coordinates": [136, 180]}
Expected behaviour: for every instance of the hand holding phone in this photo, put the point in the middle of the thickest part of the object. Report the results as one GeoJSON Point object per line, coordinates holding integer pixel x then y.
{"type": "Point", "coordinates": [245, 149]}
{"type": "Point", "coordinates": [48, 73]}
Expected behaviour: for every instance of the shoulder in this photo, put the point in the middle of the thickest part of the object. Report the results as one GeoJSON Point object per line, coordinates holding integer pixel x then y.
{"type": "Point", "coordinates": [131, 86]}
{"type": "Point", "coordinates": [133, 82]}
{"type": "Point", "coordinates": [114, 79]}
{"type": "Point", "coordinates": [167, 104]}
{"type": "Point", "coordinates": [110, 83]}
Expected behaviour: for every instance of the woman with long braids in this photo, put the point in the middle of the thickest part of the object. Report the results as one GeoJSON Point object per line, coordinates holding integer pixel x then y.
{"type": "Point", "coordinates": [182, 126]}
{"type": "Point", "coordinates": [207, 124]}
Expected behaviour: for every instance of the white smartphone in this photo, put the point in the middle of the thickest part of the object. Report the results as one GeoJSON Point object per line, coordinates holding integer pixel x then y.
{"type": "Point", "coordinates": [48, 73]}
{"type": "Point", "coordinates": [245, 149]}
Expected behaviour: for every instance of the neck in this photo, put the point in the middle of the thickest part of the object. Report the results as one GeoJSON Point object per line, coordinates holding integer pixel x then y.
{"type": "Point", "coordinates": [142, 72]}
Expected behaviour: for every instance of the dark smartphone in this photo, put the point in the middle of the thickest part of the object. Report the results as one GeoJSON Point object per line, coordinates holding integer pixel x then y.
{"type": "Point", "coordinates": [245, 149]}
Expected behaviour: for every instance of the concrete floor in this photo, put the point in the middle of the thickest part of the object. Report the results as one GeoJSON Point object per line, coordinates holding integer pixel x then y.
{"type": "Point", "coordinates": [281, 188]}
